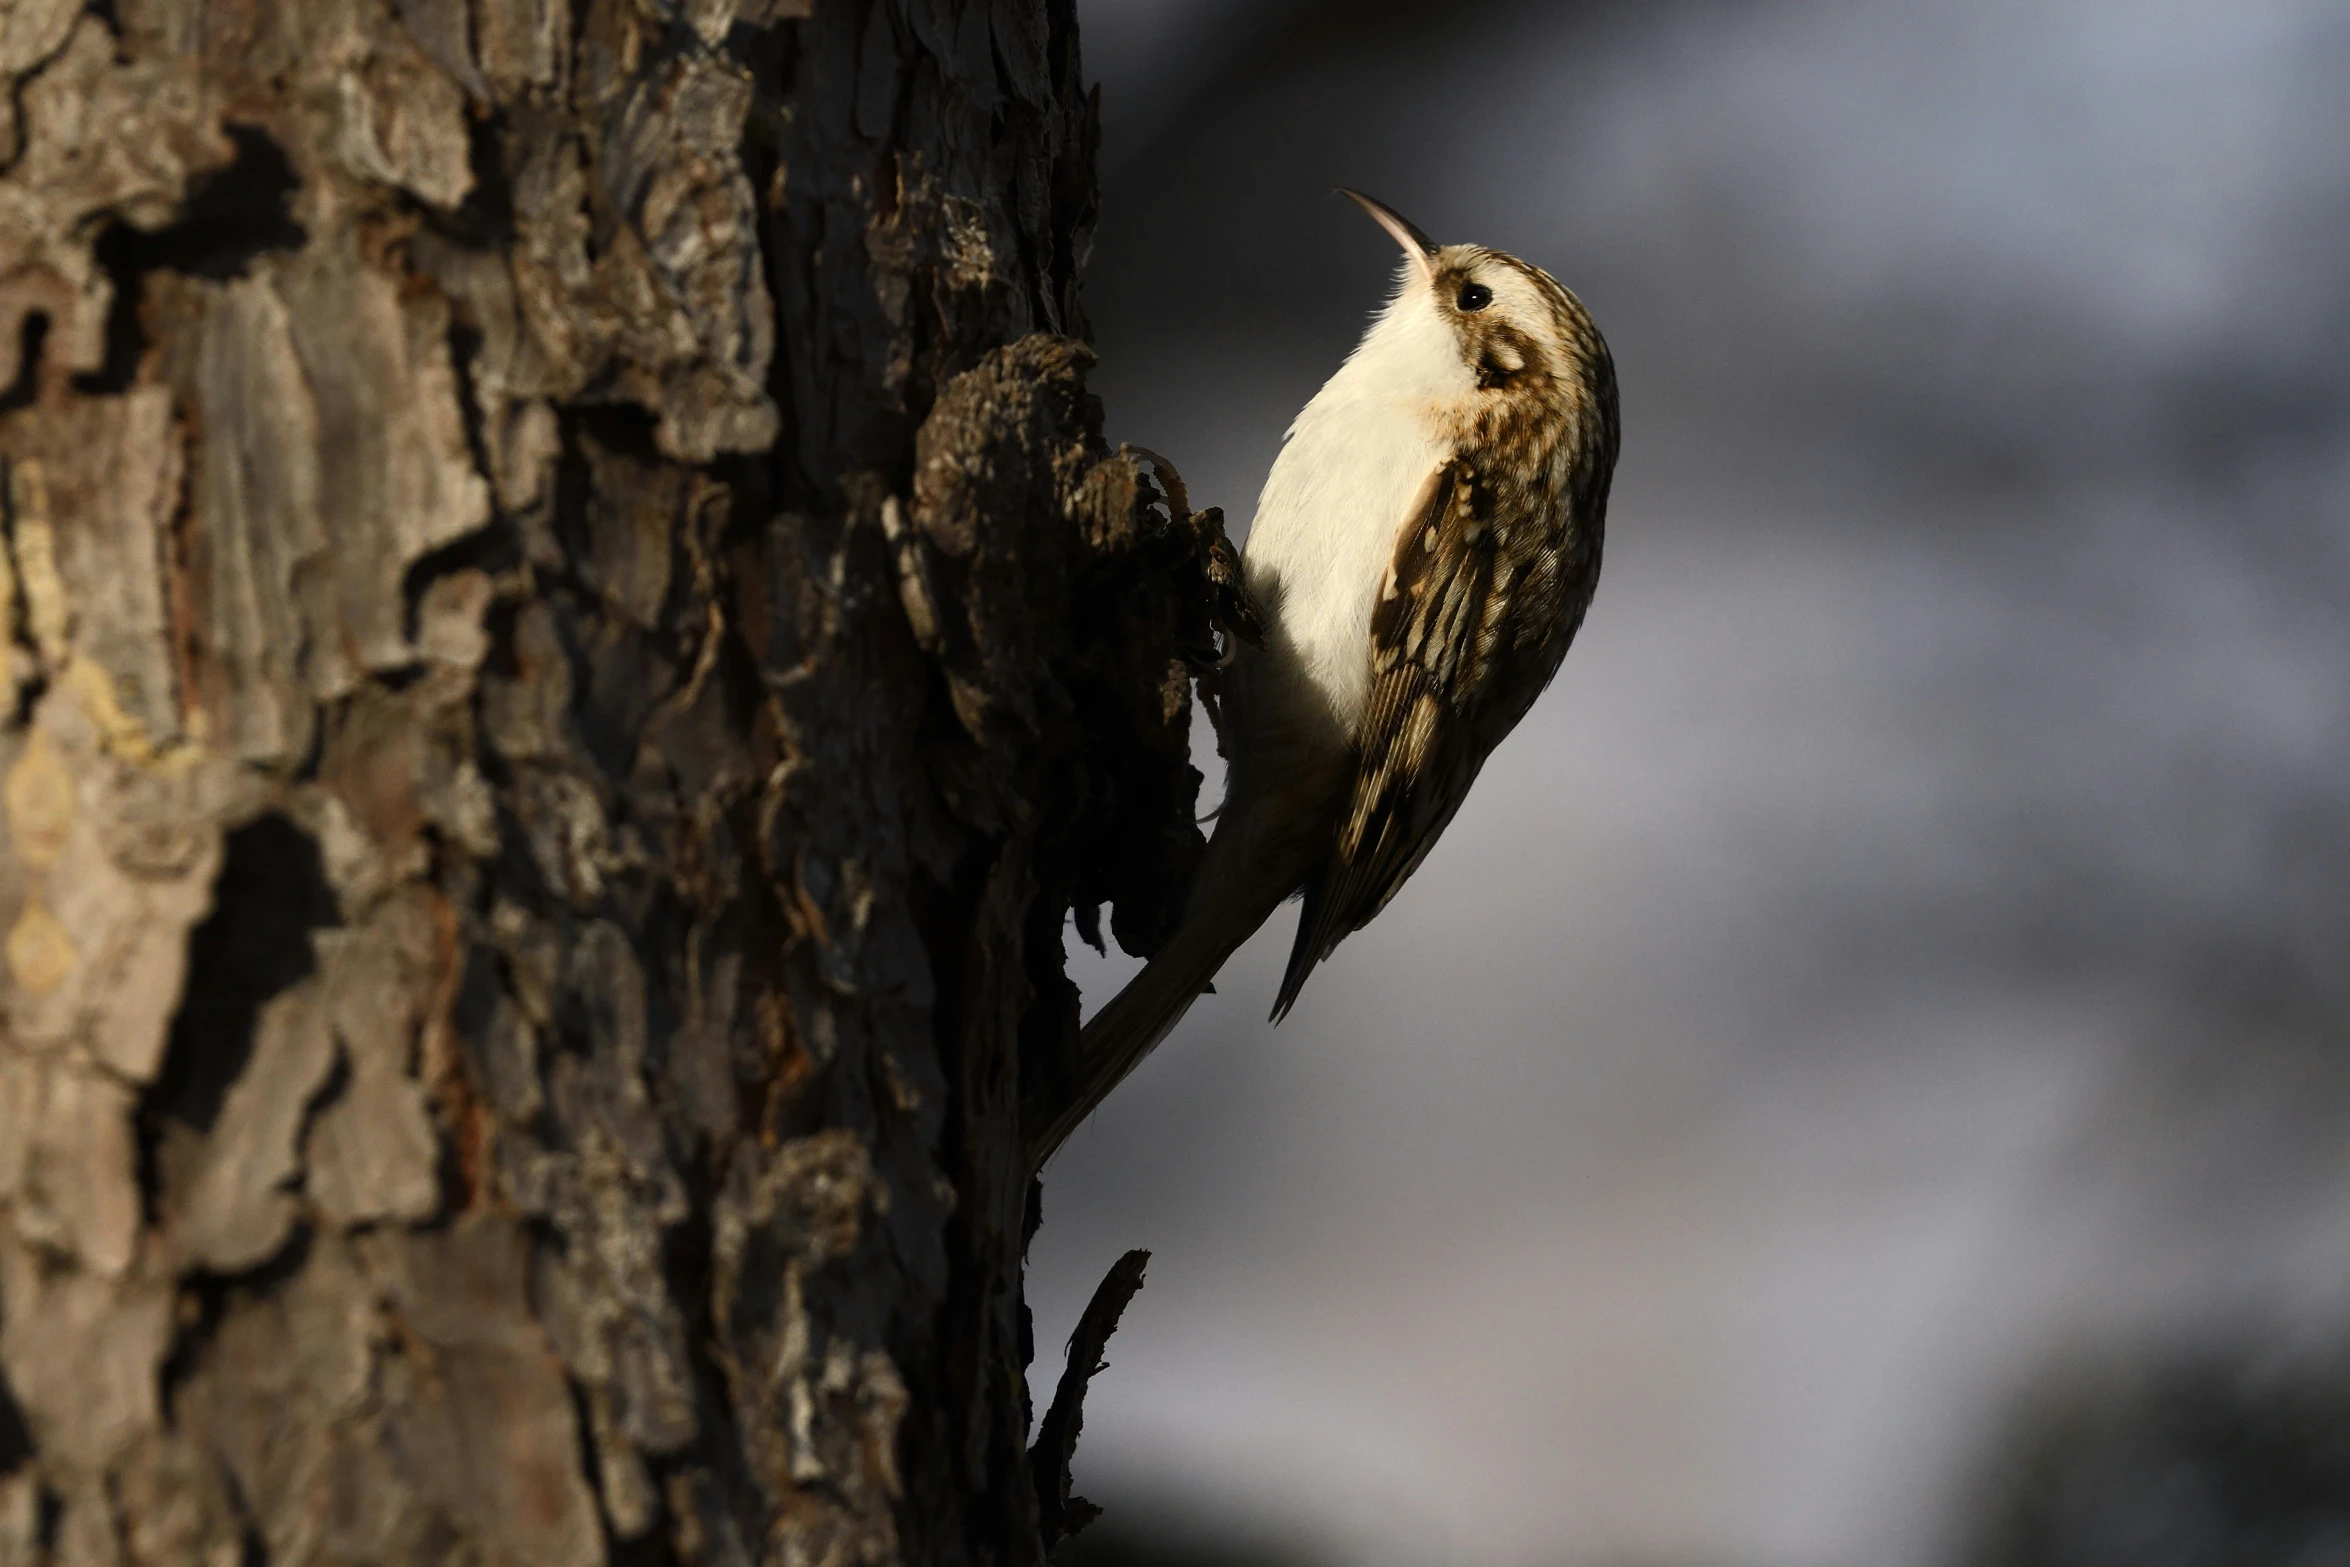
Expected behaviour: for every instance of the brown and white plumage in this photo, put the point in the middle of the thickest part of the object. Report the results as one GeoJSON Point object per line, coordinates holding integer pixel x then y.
{"type": "Point", "coordinates": [1423, 553]}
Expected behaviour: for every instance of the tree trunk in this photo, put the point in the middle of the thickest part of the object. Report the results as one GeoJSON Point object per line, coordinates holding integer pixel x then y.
{"type": "Point", "coordinates": [570, 641]}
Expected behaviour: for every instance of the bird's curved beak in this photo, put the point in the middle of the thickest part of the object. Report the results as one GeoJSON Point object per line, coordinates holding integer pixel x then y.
{"type": "Point", "coordinates": [1416, 245]}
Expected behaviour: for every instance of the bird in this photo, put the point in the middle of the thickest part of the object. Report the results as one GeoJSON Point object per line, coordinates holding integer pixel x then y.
{"type": "Point", "coordinates": [1423, 551]}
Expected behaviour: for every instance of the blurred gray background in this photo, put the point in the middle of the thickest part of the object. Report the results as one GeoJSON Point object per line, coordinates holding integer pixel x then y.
{"type": "Point", "coordinates": [1865, 1082]}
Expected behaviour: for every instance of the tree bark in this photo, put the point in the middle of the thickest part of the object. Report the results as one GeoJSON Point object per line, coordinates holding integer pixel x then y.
{"type": "Point", "coordinates": [571, 639]}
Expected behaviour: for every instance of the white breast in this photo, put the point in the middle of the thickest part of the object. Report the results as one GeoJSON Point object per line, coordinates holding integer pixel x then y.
{"type": "Point", "coordinates": [1327, 521]}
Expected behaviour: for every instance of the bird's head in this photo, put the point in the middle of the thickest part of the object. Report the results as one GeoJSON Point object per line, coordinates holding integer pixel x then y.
{"type": "Point", "coordinates": [1482, 320]}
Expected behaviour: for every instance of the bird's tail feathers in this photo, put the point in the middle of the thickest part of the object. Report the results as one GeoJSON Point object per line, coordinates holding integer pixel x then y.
{"type": "Point", "coordinates": [1313, 943]}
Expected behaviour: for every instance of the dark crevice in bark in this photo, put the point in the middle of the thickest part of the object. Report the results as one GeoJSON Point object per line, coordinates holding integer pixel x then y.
{"type": "Point", "coordinates": [465, 340]}
{"type": "Point", "coordinates": [648, 1549]}
{"type": "Point", "coordinates": [943, 1382]}
{"type": "Point", "coordinates": [232, 216]}
{"type": "Point", "coordinates": [1040, 304]}
{"type": "Point", "coordinates": [16, 1442]}
{"type": "Point", "coordinates": [31, 70]}
{"type": "Point", "coordinates": [484, 220]}
{"type": "Point", "coordinates": [480, 990]}
{"type": "Point", "coordinates": [270, 895]}
{"type": "Point", "coordinates": [686, 1262]}
{"type": "Point", "coordinates": [48, 1522]}
{"type": "Point", "coordinates": [1076, 206]}
{"type": "Point", "coordinates": [515, 874]}
{"type": "Point", "coordinates": [573, 489]}
{"type": "Point", "coordinates": [1061, 41]}
{"type": "Point", "coordinates": [305, 767]}
{"type": "Point", "coordinates": [404, 677]}
{"type": "Point", "coordinates": [32, 335]}
{"type": "Point", "coordinates": [771, 55]}
{"type": "Point", "coordinates": [206, 1297]}
{"type": "Point", "coordinates": [15, 635]}
{"type": "Point", "coordinates": [493, 549]}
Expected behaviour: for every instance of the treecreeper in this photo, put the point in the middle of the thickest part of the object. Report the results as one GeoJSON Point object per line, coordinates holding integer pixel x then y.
{"type": "Point", "coordinates": [1423, 553]}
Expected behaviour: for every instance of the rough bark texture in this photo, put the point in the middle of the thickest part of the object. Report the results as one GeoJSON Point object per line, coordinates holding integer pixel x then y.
{"type": "Point", "coordinates": [570, 641]}
{"type": "Point", "coordinates": [1064, 1512]}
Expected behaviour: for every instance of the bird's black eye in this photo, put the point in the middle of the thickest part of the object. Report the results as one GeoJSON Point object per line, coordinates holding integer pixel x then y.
{"type": "Point", "coordinates": [1474, 296]}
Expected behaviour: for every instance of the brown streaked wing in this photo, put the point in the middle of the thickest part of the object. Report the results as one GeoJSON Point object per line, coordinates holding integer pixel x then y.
{"type": "Point", "coordinates": [1432, 646]}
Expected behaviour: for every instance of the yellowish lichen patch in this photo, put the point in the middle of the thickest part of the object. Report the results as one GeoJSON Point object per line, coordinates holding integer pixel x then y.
{"type": "Point", "coordinates": [125, 738]}
{"type": "Point", "coordinates": [40, 954]}
{"type": "Point", "coordinates": [39, 797]}
{"type": "Point", "coordinates": [47, 614]}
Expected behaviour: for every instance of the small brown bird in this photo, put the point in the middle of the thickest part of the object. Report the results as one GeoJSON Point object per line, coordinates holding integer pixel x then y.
{"type": "Point", "coordinates": [1422, 554]}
